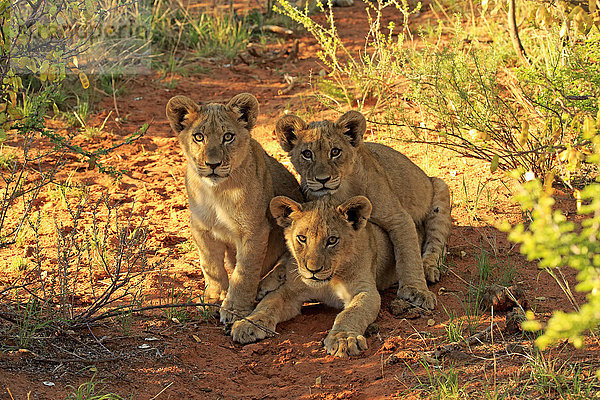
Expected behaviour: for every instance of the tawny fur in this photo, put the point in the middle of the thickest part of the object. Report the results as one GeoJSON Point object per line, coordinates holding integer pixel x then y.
{"type": "Point", "coordinates": [230, 181]}
{"type": "Point", "coordinates": [345, 272]}
{"type": "Point", "coordinates": [403, 196]}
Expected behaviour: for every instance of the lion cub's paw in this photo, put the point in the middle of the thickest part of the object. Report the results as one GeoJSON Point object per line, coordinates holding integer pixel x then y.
{"type": "Point", "coordinates": [231, 312]}
{"type": "Point", "coordinates": [244, 332]}
{"type": "Point", "coordinates": [271, 282]}
{"type": "Point", "coordinates": [344, 344]}
{"type": "Point", "coordinates": [419, 297]}
{"type": "Point", "coordinates": [432, 271]}
{"type": "Point", "coordinates": [214, 295]}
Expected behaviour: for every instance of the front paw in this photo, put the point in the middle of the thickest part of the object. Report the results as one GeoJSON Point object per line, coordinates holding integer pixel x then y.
{"type": "Point", "coordinates": [231, 312]}
{"type": "Point", "coordinates": [244, 331]}
{"type": "Point", "coordinates": [214, 294]}
{"type": "Point", "coordinates": [344, 344]}
{"type": "Point", "coordinates": [432, 271]}
{"type": "Point", "coordinates": [418, 297]}
{"type": "Point", "coordinates": [271, 282]}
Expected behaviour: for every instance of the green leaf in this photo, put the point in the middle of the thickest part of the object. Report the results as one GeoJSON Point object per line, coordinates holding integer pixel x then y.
{"type": "Point", "coordinates": [494, 163]}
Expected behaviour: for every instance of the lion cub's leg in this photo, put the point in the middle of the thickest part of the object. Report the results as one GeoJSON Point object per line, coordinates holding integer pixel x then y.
{"type": "Point", "coordinates": [243, 283]}
{"type": "Point", "coordinates": [409, 265]}
{"type": "Point", "coordinates": [437, 226]}
{"type": "Point", "coordinates": [212, 254]}
{"type": "Point", "coordinates": [280, 305]}
{"type": "Point", "coordinates": [274, 278]}
{"type": "Point", "coordinates": [346, 336]}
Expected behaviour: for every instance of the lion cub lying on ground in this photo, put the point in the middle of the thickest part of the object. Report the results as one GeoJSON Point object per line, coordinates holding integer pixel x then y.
{"type": "Point", "coordinates": [340, 259]}
{"type": "Point", "coordinates": [230, 181]}
{"type": "Point", "coordinates": [414, 209]}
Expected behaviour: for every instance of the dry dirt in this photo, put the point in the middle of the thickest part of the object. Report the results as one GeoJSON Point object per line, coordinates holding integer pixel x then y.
{"type": "Point", "coordinates": [190, 358]}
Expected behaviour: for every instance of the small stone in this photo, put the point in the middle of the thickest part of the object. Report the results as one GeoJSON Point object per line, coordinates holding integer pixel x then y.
{"type": "Point", "coordinates": [372, 329]}
{"type": "Point", "coordinates": [503, 298]}
{"type": "Point", "coordinates": [399, 306]}
{"type": "Point", "coordinates": [430, 322]}
{"type": "Point", "coordinates": [514, 319]}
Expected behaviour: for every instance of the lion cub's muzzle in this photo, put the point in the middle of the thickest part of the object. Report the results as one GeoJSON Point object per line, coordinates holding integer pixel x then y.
{"type": "Point", "coordinates": [322, 186]}
{"type": "Point", "coordinates": [316, 276]}
{"type": "Point", "coordinates": [214, 171]}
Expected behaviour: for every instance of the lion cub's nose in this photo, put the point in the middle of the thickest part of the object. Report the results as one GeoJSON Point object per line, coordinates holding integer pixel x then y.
{"type": "Point", "coordinates": [213, 165]}
{"type": "Point", "coordinates": [323, 181]}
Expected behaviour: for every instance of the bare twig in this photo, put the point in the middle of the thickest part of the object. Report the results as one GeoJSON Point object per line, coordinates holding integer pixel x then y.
{"type": "Point", "coordinates": [514, 34]}
{"type": "Point", "coordinates": [127, 309]}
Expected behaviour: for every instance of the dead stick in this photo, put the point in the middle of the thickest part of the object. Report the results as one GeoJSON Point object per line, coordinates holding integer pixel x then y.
{"type": "Point", "coordinates": [513, 30]}
{"type": "Point", "coordinates": [125, 309]}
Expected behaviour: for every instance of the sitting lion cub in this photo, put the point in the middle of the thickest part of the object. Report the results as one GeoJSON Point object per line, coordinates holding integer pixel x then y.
{"type": "Point", "coordinates": [414, 209]}
{"type": "Point", "coordinates": [230, 181]}
{"type": "Point", "coordinates": [340, 259]}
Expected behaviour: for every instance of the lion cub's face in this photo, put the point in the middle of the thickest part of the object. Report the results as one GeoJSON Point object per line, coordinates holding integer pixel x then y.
{"type": "Point", "coordinates": [321, 236]}
{"type": "Point", "coordinates": [323, 153]}
{"type": "Point", "coordinates": [214, 137]}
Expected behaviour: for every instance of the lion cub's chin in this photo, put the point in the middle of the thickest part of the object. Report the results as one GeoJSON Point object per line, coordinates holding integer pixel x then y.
{"type": "Point", "coordinates": [321, 192]}
{"type": "Point", "coordinates": [213, 180]}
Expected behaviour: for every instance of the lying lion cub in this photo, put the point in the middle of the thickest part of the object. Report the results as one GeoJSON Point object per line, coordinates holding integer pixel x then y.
{"type": "Point", "coordinates": [230, 181]}
{"type": "Point", "coordinates": [340, 259]}
{"type": "Point", "coordinates": [332, 159]}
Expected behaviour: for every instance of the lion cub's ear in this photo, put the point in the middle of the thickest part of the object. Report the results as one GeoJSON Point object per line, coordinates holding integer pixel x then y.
{"type": "Point", "coordinates": [354, 125]}
{"type": "Point", "coordinates": [356, 211]}
{"type": "Point", "coordinates": [246, 107]}
{"type": "Point", "coordinates": [281, 208]}
{"type": "Point", "coordinates": [287, 129]}
{"type": "Point", "coordinates": [180, 109]}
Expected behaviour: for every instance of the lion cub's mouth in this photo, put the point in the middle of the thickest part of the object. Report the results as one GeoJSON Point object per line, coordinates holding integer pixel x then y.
{"type": "Point", "coordinates": [213, 175]}
{"type": "Point", "coordinates": [313, 280]}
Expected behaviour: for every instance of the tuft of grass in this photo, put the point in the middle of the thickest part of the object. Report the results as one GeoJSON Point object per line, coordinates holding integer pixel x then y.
{"type": "Point", "coordinates": [31, 320]}
{"type": "Point", "coordinates": [92, 132]}
{"type": "Point", "coordinates": [442, 383]}
{"type": "Point", "coordinates": [91, 391]}
{"type": "Point", "coordinates": [454, 328]}
{"type": "Point", "coordinates": [552, 377]}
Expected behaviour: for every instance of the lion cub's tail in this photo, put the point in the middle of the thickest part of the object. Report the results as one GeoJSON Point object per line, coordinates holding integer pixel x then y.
{"type": "Point", "coordinates": [436, 226]}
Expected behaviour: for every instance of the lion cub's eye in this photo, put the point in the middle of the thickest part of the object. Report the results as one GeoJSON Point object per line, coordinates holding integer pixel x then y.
{"type": "Point", "coordinates": [335, 152]}
{"type": "Point", "coordinates": [198, 137]}
{"type": "Point", "coordinates": [228, 137]}
{"type": "Point", "coordinates": [332, 241]}
{"type": "Point", "coordinates": [307, 155]}
{"type": "Point", "coordinates": [301, 238]}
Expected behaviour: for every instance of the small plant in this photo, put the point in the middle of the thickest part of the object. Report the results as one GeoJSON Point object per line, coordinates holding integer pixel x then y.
{"type": "Point", "coordinates": [31, 319]}
{"type": "Point", "coordinates": [177, 313]}
{"type": "Point", "coordinates": [92, 132]}
{"type": "Point", "coordinates": [18, 264]}
{"type": "Point", "coordinates": [443, 384]}
{"type": "Point", "coordinates": [454, 327]}
{"type": "Point", "coordinates": [568, 380]}
{"type": "Point", "coordinates": [91, 391]}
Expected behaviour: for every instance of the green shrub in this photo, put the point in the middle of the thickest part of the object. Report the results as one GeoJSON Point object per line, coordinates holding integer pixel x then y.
{"type": "Point", "coordinates": [555, 242]}
{"type": "Point", "coordinates": [371, 75]}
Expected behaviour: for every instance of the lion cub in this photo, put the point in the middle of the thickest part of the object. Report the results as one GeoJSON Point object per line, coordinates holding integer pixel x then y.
{"type": "Point", "coordinates": [414, 209]}
{"type": "Point", "coordinates": [230, 181]}
{"type": "Point", "coordinates": [340, 259]}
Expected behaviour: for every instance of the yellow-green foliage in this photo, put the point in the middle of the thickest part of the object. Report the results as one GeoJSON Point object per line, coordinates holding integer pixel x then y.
{"type": "Point", "coordinates": [38, 38]}
{"type": "Point", "coordinates": [554, 242]}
